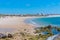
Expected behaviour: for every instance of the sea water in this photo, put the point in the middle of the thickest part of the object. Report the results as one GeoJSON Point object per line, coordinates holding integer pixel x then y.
{"type": "Point", "coordinates": [45, 21]}
{"type": "Point", "coordinates": [54, 21]}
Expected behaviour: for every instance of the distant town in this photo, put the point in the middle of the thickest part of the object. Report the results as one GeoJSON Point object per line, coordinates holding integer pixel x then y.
{"type": "Point", "coordinates": [38, 14]}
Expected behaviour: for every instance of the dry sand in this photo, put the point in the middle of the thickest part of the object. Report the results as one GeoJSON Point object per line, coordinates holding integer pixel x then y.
{"type": "Point", "coordinates": [17, 23]}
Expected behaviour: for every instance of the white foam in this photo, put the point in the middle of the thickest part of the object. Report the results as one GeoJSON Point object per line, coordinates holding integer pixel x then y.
{"type": "Point", "coordinates": [53, 16]}
{"type": "Point", "coordinates": [34, 23]}
{"type": "Point", "coordinates": [52, 37]}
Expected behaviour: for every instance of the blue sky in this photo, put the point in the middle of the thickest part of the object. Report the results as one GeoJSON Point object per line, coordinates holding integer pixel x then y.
{"type": "Point", "coordinates": [29, 6]}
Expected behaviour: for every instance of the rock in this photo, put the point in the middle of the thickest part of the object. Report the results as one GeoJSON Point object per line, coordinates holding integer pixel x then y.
{"type": "Point", "coordinates": [2, 35]}
{"type": "Point", "coordinates": [10, 36]}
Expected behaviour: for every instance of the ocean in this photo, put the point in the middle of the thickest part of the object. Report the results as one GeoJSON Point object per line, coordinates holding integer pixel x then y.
{"type": "Point", "coordinates": [54, 21]}
{"type": "Point", "coordinates": [45, 21]}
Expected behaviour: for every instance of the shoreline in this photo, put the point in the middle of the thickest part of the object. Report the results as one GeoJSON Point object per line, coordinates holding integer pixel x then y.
{"type": "Point", "coordinates": [17, 23]}
{"type": "Point", "coordinates": [19, 26]}
{"type": "Point", "coordinates": [37, 25]}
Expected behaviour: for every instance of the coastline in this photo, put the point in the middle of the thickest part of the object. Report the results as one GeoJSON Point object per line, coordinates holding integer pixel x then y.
{"type": "Point", "coordinates": [37, 25]}
{"type": "Point", "coordinates": [17, 23]}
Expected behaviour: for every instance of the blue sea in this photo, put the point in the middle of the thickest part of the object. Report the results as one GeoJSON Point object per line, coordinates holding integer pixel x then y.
{"type": "Point", "coordinates": [45, 21]}
{"type": "Point", "coordinates": [54, 21]}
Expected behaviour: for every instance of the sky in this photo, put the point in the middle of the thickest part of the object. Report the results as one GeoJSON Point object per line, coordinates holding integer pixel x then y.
{"type": "Point", "coordinates": [29, 6]}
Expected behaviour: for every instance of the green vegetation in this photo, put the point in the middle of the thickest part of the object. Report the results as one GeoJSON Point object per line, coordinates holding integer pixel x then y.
{"type": "Point", "coordinates": [38, 35]}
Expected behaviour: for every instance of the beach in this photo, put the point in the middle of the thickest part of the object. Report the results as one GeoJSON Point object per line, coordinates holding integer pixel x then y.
{"type": "Point", "coordinates": [17, 23]}
{"type": "Point", "coordinates": [20, 30]}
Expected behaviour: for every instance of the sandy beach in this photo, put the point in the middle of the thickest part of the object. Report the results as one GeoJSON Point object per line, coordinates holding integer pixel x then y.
{"type": "Point", "coordinates": [17, 26]}
{"type": "Point", "coordinates": [17, 23]}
